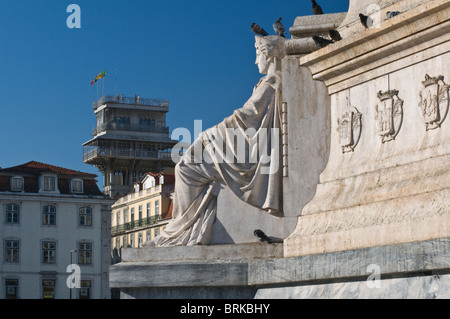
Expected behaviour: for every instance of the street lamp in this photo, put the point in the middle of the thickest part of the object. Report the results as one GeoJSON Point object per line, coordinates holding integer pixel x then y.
{"type": "Point", "coordinates": [71, 263]}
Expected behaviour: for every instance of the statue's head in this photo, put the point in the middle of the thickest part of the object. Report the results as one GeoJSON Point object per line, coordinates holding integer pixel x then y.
{"type": "Point", "coordinates": [268, 50]}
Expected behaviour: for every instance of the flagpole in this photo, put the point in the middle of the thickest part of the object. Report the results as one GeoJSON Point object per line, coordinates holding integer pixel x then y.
{"type": "Point", "coordinates": [115, 81]}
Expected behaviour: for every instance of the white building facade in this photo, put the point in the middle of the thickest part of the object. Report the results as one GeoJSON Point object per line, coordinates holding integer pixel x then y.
{"type": "Point", "coordinates": [53, 218]}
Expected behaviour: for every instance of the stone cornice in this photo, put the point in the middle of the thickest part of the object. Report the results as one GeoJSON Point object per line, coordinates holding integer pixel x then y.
{"type": "Point", "coordinates": [372, 48]}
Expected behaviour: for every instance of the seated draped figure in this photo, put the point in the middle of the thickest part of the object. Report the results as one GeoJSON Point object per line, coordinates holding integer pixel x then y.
{"type": "Point", "coordinates": [242, 152]}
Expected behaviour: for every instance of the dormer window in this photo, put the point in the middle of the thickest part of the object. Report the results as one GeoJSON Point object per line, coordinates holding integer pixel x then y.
{"type": "Point", "coordinates": [49, 183]}
{"type": "Point", "coordinates": [77, 186]}
{"type": "Point", "coordinates": [17, 184]}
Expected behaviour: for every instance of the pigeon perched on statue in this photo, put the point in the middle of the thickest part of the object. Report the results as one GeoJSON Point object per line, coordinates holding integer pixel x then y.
{"type": "Point", "coordinates": [262, 236]}
{"type": "Point", "coordinates": [257, 29]}
{"type": "Point", "coordinates": [364, 20]}
{"type": "Point", "coordinates": [279, 28]}
{"type": "Point", "coordinates": [391, 14]}
{"type": "Point", "coordinates": [321, 42]}
{"type": "Point", "coordinates": [316, 9]}
{"type": "Point", "coordinates": [335, 35]}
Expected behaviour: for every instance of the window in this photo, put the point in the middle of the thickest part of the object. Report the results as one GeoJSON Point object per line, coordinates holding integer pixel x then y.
{"type": "Point", "coordinates": [132, 240]}
{"type": "Point", "coordinates": [48, 289]}
{"type": "Point", "coordinates": [85, 216]}
{"type": "Point", "coordinates": [77, 186]}
{"type": "Point", "coordinates": [85, 289]}
{"type": "Point", "coordinates": [139, 239]}
{"type": "Point", "coordinates": [11, 288]}
{"type": "Point", "coordinates": [118, 218]}
{"type": "Point", "coordinates": [149, 235]}
{"type": "Point", "coordinates": [132, 217]}
{"type": "Point", "coordinates": [48, 252]}
{"type": "Point", "coordinates": [124, 241]}
{"type": "Point", "coordinates": [12, 214]}
{"type": "Point", "coordinates": [17, 184]}
{"type": "Point", "coordinates": [12, 251]}
{"type": "Point", "coordinates": [49, 215]}
{"type": "Point", "coordinates": [157, 209]}
{"type": "Point", "coordinates": [125, 215]}
{"type": "Point", "coordinates": [49, 183]}
{"type": "Point", "coordinates": [156, 232]}
{"type": "Point", "coordinates": [140, 215]}
{"type": "Point", "coordinates": [148, 210]}
{"type": "Point", "coordinates": [85, 253]}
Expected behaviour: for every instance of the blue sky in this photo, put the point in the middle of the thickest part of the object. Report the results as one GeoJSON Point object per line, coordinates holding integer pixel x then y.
{"type": "Point", "coordinates": [198, 54]}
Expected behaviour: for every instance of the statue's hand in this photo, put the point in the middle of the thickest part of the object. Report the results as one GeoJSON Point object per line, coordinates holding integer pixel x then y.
{"type": "Point", "coordinates": [274, 80]}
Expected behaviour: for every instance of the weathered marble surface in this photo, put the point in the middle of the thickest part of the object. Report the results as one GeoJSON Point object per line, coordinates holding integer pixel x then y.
{"type": "Point", "coordinates": [342, 272]}
{"type": "Point", "coordinates": [387, 190]}
{"type": "Point", "coordinates": [427, 287]}
{"type": "Point", "coordinates": [250, 251]}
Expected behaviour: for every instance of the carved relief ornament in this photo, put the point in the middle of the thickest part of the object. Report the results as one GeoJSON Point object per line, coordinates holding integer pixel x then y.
{"type": "Point", "coordinates": [434, 101]}
{"type": "Point", "coordinates": [389, 115]}
{"type": "Point", "coordinates": [349, 128]}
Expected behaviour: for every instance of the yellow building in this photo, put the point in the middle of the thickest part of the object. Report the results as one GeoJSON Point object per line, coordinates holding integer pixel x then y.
{"type": "Point", "coordinates": [142, 214]}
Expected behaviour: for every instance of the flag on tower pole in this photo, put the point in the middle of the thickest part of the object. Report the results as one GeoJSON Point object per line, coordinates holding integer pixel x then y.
{"type": "Point", "coordinates": [98, 77]}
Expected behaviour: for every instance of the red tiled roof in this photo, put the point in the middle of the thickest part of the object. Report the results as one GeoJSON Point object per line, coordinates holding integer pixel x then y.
{"type": "Point", "coordinates": [34, 167]}
{"type": "Point", "coordinates": [31, 183]}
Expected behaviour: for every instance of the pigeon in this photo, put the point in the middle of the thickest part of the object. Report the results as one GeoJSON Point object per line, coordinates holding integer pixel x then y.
{"type": "Point", "coordinates": [258, 30]}
{"type": "Point", "coordinates": [321, 42]}
{"type": "Point", "coordinates": [364, 19]}
{"type": "Point", "coordinates": [316, 9]}
{"type": "Point", "coordinates": [262, 236]}
{"type": "Point", "coordinates": [335, 35]}
{"type": "Point", "coordinates": [391, 14]}
{"type": "Point", "coordinates": [279, 28]}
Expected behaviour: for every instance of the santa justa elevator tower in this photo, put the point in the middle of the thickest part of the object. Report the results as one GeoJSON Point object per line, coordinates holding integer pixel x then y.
{"type": "Point", "coordinates": [131, 138]}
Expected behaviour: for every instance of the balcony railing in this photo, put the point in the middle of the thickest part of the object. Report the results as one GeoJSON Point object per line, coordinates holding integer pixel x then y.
{"type": "Point", "coordinates": [129, 128]}
{"type": "Point", "coordinates": [148, 221]}
{"type": "Point", "coordinates": [130, 100]}
{"type": "Point", "coordinates": [90, 152]}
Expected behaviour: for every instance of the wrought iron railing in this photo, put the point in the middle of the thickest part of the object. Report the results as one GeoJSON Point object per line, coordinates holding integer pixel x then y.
{"type": "Point", "coordinates": [129, 127]}
{"type": "Point", "coordinates": [130, 100]}
{"type": "Point", "coordinates": [148, 221]}
{"type": "Point", "coordinates": [90, 152]}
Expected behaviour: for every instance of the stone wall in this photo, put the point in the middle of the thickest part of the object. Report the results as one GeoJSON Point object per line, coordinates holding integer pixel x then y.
{"type": "Point", "coordinates": [387, 179]}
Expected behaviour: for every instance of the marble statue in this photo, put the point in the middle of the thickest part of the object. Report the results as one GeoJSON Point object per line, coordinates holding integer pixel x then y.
{"type": "Point", "coordinates": [242, 153]}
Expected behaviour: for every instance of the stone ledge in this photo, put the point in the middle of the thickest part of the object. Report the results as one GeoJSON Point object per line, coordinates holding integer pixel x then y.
{"type": "Point", "coordinates": [181, 274]}
{"type": "Point", "coordinates": [371, 45]}
{"type": "Point", "coordinates": [307, 26]}
{"type": "Point", "coordinates": [248, 251]}
{"type": "Point", "coordinates": [396, 261]}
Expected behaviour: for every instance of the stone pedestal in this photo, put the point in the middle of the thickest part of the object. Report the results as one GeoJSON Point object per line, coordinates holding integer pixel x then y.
{"type": "Point", "coordinates": [387, 179]}
{"type": "Point", "coordinates": [366, 186]}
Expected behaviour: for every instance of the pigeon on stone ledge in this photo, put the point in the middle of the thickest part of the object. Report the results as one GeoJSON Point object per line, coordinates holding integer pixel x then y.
{"type": "Point", "coordinates": [391, 14]}
{"type": "Point", "coordinates": [262, 236]}
{"type": "Point", "coordinates": [335, 35]}
{"type": "Point", "coordinates": [321, 42]}
{"type": "Point", "coordinates": [258, 30]}
{"type": "Point", "coordinates": [364, 20]}
{"type": "Point", "coordinates": [316, 9]}
{"type": "Point", "coordinates": [279, 28]}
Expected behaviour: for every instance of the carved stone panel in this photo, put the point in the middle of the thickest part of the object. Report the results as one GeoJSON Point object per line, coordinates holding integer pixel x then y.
{"type": "Point", "coordinates": [389, 115]}
{"type": "Point", "coordinates": [434, 101]}
{"type": "Point", "coordinates": [349, 128]}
